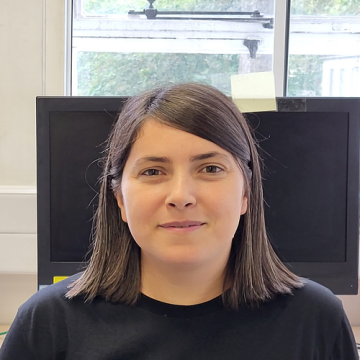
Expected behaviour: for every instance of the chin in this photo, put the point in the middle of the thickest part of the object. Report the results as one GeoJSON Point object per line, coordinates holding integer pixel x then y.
{"type": "Point", "coordinates": [186, 258]}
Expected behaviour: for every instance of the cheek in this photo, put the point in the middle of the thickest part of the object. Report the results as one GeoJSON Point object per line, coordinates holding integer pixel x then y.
{"type": "Point", "coordinates": [230, 207]}
{"type": "Point", "coordinates": [139, 206]}
{"type": "Point", "coordinates": [232, 198]}
{"type": "Point", "coordinates": [137, 219]}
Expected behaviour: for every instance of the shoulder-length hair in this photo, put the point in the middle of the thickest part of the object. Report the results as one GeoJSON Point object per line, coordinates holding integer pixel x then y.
{"type": "Point", "coordinates": [254, 271]}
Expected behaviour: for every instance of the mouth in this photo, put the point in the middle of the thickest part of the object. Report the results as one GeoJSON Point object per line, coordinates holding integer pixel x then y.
{"type": "Point", "coordinates": [180, 227]}
{"type": "Point", "coordinates": [182, 224]}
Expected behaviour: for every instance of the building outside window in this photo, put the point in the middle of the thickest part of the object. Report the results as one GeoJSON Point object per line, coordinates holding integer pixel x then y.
{"type": "Point", "coordinates": [324, 48]}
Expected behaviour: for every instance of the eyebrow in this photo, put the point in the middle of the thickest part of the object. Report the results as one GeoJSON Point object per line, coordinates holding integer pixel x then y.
{"type": "Point", "coordinates": [164, 159]}
{"type": "Point", "coordinates": [208, 156]}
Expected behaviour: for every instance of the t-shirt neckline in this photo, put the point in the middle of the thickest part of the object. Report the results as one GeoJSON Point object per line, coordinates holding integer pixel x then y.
{"type": "Point", "coordinates": [147, 303]}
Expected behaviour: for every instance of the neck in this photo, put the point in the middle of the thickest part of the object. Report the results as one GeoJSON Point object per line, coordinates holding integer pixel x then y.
{"type": "Point", "coordinates": [181, 284]}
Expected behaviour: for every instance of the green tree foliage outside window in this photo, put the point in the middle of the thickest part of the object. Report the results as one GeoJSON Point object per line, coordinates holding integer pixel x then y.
{"type": "Point", "coordinates": [102, 73]}
{"type": "Point", "coordinates": [325, 7]}
{"type": "Point", "coordinates": [305, 75]}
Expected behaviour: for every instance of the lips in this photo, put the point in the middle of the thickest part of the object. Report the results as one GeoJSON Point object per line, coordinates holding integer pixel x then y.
{"type": "Point", "coordinates": [181, 224]}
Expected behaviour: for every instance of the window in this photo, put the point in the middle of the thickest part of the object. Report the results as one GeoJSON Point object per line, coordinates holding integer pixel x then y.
{"type": "Point", "coordinates": [324, 48]}
{"type": "Point", "coordinates": [117, 53]}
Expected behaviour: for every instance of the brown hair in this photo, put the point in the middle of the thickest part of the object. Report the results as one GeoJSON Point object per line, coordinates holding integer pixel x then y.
{"type": "Point", "coordinates": [254, 272]}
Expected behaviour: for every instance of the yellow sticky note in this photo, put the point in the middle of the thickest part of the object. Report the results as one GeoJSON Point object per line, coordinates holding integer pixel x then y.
{"type": "Point", "coordinates": [59, 278]}
{"type": "Point", "coordinates": [254, 92]}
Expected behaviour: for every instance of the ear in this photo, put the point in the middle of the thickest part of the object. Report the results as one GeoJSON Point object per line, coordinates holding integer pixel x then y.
{"type": "Point", "coordinates": [244, 205]}
{"type": "Point", "coordinates": [120, 202]}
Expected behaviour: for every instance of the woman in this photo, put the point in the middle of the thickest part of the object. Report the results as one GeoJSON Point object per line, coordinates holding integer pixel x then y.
{"type": "Point", "coordinates": [181, 266]}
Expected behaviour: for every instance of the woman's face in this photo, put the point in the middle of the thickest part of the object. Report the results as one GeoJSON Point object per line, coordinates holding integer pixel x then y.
{"type": "Point", "coordinates": [182, 197]}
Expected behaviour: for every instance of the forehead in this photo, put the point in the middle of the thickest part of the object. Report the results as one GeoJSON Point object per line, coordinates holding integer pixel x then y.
{"type": "Point", "coordinates": [155, 136]}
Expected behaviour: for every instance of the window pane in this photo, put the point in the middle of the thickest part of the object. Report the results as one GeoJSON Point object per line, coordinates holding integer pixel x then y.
{"type": "Point", "coordinates": [131, 73]}
{"type": "Point", "coordinates": [112, 7]}
{"type": "Point", "coordinates": [325, 7]}
{"type": "Point", "coordinates": [324, 48]}
{"type": "Point", "coordinates": [119, 54]}
{"type": "Point", "coordinates": [305, 75]}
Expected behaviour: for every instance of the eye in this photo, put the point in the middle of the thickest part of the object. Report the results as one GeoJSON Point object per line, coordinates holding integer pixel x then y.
{"type": "Point", "coordinates": [212, 169]}
{"type": "Point", "coordinates": [151, 172]}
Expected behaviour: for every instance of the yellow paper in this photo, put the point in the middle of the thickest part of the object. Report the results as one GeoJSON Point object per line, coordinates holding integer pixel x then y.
{"type": "Point", "coordinates": [59, 278]}
{"type": "Point", "coordinates": [254, 92]}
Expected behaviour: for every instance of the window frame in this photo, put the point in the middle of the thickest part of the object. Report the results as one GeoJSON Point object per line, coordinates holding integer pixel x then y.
{"type": "Point", "coordinates": [75, 6]}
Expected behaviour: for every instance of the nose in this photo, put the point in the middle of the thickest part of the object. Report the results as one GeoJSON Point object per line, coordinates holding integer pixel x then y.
{"type": "Point", "coordinates": [181, 193]}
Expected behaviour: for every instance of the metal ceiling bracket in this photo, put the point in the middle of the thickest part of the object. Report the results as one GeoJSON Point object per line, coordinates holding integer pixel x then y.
{"type": "Point", "coordinates": [253, 46]}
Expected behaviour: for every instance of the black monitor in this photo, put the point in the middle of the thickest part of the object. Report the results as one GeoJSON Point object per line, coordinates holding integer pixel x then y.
{"type": "Point", "coordinates": [310, 150]}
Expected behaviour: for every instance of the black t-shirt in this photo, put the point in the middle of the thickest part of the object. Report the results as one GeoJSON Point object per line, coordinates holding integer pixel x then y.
{"type": "Point", "coordinates": [308, 325]}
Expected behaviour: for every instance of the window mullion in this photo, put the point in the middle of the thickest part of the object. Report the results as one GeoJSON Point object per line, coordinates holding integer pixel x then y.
{"type": "Point", "coordinates": [280, 54]}
{"type": "Point", "coordinates": [68, 46]}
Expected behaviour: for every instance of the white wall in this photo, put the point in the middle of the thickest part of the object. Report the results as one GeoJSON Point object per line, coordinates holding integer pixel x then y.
{"type": "Point", "coordinates": [31, 64]}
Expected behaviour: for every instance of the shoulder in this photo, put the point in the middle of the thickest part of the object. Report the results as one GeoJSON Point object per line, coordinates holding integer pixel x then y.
{"type": "Point", "coordinates": [40, 325]}
{"type": "Point", "coordinates": [54, 291]}
{"type": "Point", "coordinates": [315, 296]}
{"type": "Point", "coordinates": [322, 315]}
{"type": "Point", "coordinates": [316, 306]}
{"type": "Point", "coordinates": [50, 299]}
{"type": "Point", "coordinates": [316, 292]}
{"type": "Point", "coordinates": [310, 302]}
